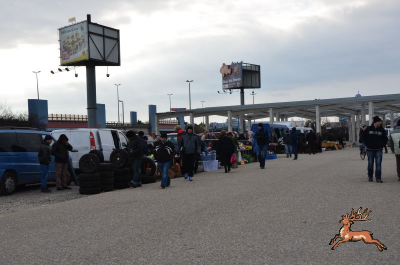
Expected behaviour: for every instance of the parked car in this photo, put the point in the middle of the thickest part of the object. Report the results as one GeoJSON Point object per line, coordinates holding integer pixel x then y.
{"type": "Point", "coordinates": [19, 162]}
{"type": "Point", "coordinates": [99, 141]}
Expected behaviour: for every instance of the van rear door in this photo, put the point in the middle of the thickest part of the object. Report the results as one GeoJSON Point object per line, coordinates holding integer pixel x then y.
{"type": "Point", "coordinates": [8, 152]}
{"type": "Point", "coordinates": [107, 143]}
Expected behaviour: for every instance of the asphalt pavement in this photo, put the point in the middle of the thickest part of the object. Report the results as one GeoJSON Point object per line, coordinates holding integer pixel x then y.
{"type": "Point", "coordinates": [284, 214]}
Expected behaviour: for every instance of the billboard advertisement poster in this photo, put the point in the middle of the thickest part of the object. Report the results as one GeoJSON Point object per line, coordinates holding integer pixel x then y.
{"type": "Point", "coordinates": [74, 43]}
{"type": "Point", "coordinates": [232, 75]}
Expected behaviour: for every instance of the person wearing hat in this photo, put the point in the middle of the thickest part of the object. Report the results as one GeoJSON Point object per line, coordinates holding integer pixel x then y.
{"type": "Point", "coordinates": [189, 146]}
{"type": "Point", "coordinates": [164, 153]}
{"type": "Point", "coordinates": [375, 139]}
{"type": "Point", "coordinates": [60, 152]}
{"type": "Point", "coordinates": [262, 139]}
{"type": "Point", "coordinates": [394, 140]}
{"type": "Point", "coordinates": [44, 159]}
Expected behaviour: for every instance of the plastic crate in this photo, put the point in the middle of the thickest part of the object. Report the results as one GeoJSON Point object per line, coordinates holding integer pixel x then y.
{"type": "Point", "coordinates": [271, 156]}
{"type": "Point", "coordinates": [211, 165]}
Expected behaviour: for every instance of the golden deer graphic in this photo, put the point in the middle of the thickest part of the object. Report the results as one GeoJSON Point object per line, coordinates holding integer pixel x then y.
{"type": "Point", "coordinates": [348, 235]}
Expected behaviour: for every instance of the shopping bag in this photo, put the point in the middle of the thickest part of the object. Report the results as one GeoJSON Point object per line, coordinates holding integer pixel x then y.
{"type": "Point", "coordinates": [233, 159]}
{"type": "Point", "coordinates": [234, 165]}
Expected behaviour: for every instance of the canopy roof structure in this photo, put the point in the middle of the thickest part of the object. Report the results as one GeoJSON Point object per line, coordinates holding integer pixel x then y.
{"type": "Point", "coordinates": [340, 107]}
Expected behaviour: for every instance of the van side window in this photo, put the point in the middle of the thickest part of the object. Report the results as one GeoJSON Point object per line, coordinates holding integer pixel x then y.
{"type": "Point", "coordinates": [29, 142]}
{"type": "Point", "coordinates": [115, 139]}
{"type": "Point", "coordinates": [124, 141]}
{"type": "Point", "coordinates": [8, 142]}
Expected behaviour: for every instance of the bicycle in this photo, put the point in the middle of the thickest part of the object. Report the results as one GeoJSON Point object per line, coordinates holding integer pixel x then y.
{"type": "Point", "coordinates": [363, 152]}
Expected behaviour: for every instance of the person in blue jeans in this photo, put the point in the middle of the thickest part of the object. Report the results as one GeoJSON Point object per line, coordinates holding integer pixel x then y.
{"type": "Point", "coordinates": [45, 159]}
{"type": "Point", "coordinates": [375, 140]}
{"type": "Point", "coordinates": [164, 153]}
{"type": "Point", "coordinates": [294, 142]}
{"type": "Point", "coordinates": [262, 139]}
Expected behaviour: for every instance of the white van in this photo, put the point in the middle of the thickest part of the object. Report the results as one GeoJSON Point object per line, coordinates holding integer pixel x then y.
{"type": "Point", "coordinates": [85, 140]}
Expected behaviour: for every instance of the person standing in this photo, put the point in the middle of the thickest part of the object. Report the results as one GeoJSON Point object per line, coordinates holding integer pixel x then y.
{"type": "Point", "coordinates": [189, 146]}
{"type": "Point", "coordinates": [45, 159]}
{"type": "Point", "coordinates": [60, 152]}
{"type": "Point", "coordinates": [262, 139]}
{"type": "Point", "coordinates": [294, 142]}
{"type": "Point", "coordinates": [394, 140]}
{"type": "Point", "coordinates": [226, 148]}
{"type": "Point", "coordinates": [136, 152]}
{"type": "Point", "coordinates": [286, 141]}
{"type": "Point", "coordinates": [375, 138]}
{"type": "Point", "coordinates": [164, 153]}
{"type": "Point", "coordinates": [311, 138]}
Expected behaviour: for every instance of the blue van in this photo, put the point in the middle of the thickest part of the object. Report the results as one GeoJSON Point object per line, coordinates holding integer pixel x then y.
{"type": "Point", "coordinates": [19, 162]}
{"type": "Point", "coordinates": [270, 127]}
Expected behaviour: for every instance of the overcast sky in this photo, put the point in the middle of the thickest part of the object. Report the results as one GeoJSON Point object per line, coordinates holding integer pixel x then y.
{"type": "Point", "coordinates": [307, 49]}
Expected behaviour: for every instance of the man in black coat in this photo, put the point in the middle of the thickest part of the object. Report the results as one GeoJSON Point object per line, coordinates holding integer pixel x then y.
{"type": "Point", "coordinates": [375, 139]}
{"type": "Point", "coordinates": [136, 152]}
{"type": "Point", "coordinates": [60, 152]}
{"type": "Point", "coordinates": [44, 156]}
{"type": "Point", "coordinates": [311, 139]}
{"type": "Point", "coordinates": [164, 153]}
{"type": "Point", "coordinates": [262, 139]}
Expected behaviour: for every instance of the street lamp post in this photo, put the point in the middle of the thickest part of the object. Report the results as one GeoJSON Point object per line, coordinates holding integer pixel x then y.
{"type": "Point", "coordinates": [170, 106]}
{"type": "Point", "coordinates": [190, 98]}
{"type": "Point", "coordinates": [123, 112]}
{"type": "Point", "coordinates": [37, 83]}
{"type": "Point", "coordinates": [202, 106]}
{"type": "Point", "coordinates": [253, 94]}
{"type": "Point", "coordinates": [117, 85]}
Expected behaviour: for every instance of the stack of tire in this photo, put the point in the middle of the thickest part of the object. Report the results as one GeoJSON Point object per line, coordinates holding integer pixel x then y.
{"type": "Point", "coordinates": [122, 175]}
{"type": "Point", "coordinates": [148, 171]}
{"type": "Point", "coordinates": [106, 171]}
{"type": "Point", "coordinates": [89, 179]}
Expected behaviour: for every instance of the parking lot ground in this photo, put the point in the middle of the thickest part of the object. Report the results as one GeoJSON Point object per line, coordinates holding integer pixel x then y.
{"type": "Point", "coordinates": [284, 214]}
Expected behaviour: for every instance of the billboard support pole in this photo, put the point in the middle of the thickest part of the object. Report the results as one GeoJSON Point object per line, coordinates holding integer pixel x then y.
{"type": "Point", "coordinates": [91, 96]}
{"type": "Point", "coordinates": [241, 117]}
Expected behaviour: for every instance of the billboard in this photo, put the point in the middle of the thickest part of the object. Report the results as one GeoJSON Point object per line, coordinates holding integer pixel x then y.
{"type": "Point", "coordinates": [74, 43]}
{"type": "Point", "coordinates": [232, 75]}
{"type": "Point", "coordinates": [87, 43]}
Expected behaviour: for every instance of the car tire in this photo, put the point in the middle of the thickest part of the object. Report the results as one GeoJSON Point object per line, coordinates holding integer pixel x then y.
{"type": "Point", "coordinates": [89, 177]}
{"type": "Point", "coordinates": [148, 179]}
{"type": "Point", "coordinates": [107, 188]}
{"type": "Point", "coordinates": [106, 181]}
{"type": "Point", "coordinates": [148, 163]}
{"type": "Point", "coordinates": [106, 174]}
{"type": "Point", "coordinates": [99, 155]}
{"type": "Point", "coordinates": [89, 184]}
{"type": "Point", "coordinates": [89, 191]}
{"type": "Point", "coordinates": [119, 158]}
{"type": "Point", "coordinates": [89, 164]}
{"type": "Point", "coordinates": [8, 183]}
{"type": "Point", "coordinates": [106, 167]}
{"type": "Point", "coordinates": [121, 179]}
{"type": "Point", "coordinates": [121, 172]}
{"type": "Point", "coordinates": [121, 185]}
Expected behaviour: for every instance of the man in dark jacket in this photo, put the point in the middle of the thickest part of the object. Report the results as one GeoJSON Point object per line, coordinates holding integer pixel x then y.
{"type": "Point", "coordinates": [311, 139]}
{"type": "Point", "coordinates": [60, 152]}
{"type": "Point", "coordinates": [319, 143]}
{"type": "Point", "coordinates": [164, 153]}
{"type": "Point", "coordinates": [189, 146]}
{"type": "Point", "coordinates": [135, 151]}
{"type": "Point", "coordinates": [44, 159]}
{"type": "Point", "coordinates": [144, 142]}
{"type": "Point", "coordinates": [286, 141]}
{"type": "Point", "coordinates": [262, 139]}
{"type": "Point", "coordinates": [375, 139]}
{"type": "Point", "coordinates": [294, 142]}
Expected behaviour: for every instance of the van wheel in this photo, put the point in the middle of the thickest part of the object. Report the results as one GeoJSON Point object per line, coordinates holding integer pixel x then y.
{"type": "Point", "coordinates": [119, 158]}
{"type": "Point", "coordinates": [89, 163]}
{"type": "Point", "coordinates": [99, 155]}
{"type": "Point", "coordinates": [8, 184]}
